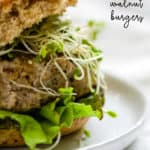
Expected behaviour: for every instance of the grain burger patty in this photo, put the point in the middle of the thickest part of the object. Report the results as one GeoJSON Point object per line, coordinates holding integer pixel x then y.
{"type": "Point", "coordinates": [49, 79]}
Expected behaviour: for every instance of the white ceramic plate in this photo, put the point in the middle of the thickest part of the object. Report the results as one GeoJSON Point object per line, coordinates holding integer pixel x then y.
{"type": "Point", "coordinates": [112, 134]}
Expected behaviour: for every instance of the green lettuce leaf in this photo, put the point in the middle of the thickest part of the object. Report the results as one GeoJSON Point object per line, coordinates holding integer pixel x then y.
{"type": "Point", "coordinates": [51, 131]}
{"type": "Point", "coordinates": [31, 130]}
{"type": "Point", "coordinates": [95, 101]}
{"type": "Point", "coordinates": [82, 110]}
{"type": "Point", "coordinates": [66, 95]}
{"type": "Point", "coordinates": [67, 117]}
{"type": "Point", "coordinates": [49, 113]}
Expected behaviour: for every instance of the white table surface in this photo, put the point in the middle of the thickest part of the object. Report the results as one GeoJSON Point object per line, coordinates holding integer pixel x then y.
{"type": "Point", "coordinates": [126, 51]}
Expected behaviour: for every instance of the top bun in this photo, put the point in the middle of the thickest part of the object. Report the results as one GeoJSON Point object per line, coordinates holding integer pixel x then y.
{"type": "Point", "coordinates": [17, 15]}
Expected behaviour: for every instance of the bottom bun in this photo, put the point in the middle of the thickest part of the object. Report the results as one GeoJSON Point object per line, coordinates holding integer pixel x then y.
{"type": "Point", "coordinates": [77, 125]}
{"type": "Point", "coordinates": [12, 137]}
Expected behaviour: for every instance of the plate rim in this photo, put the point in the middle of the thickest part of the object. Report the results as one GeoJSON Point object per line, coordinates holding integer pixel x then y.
{"type": "Point", "coordinates": [139, 123]}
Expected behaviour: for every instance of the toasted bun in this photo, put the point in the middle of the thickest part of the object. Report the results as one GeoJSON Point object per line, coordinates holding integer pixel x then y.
{"type": "Point", "coordinates": [17, 15]}
{"type": "Point", "coordinates": [13, 138]}
{"type": "Point", "coordinates": [77, 125]}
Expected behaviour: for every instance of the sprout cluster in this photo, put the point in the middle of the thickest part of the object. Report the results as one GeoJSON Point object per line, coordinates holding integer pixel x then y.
{"type": "Point", "coordinates": [54, 37]}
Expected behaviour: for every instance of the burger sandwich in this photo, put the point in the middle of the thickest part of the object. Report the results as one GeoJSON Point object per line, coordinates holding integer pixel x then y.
{"type": "Point", "coordinates": [50, 83]}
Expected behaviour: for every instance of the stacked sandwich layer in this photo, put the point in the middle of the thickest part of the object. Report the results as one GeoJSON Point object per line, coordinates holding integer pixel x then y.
{"type": "Point", "coordinates": [49, 78]}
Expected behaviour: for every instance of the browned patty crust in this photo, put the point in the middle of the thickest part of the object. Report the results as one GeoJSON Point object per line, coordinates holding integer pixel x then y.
{"type": "Point", "coordinates": [25, 71]}
{"type": "Point", "coordinates": [17, 15]}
